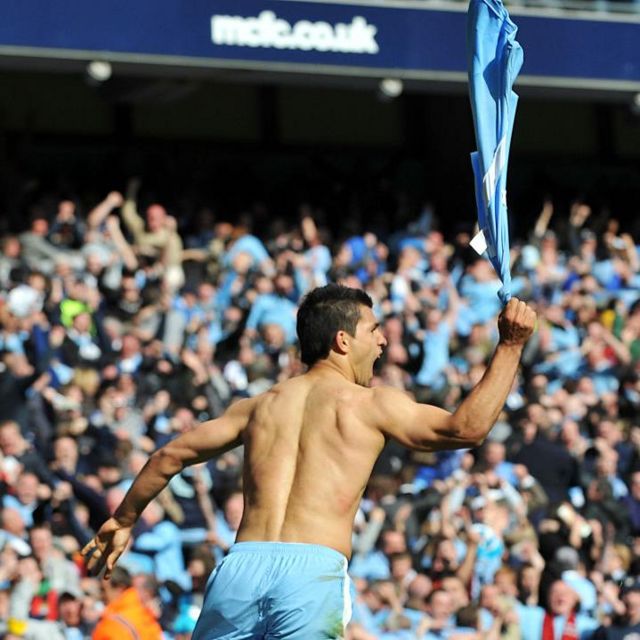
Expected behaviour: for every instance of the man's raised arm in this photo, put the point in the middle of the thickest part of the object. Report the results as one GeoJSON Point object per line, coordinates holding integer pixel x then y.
{"type": "Point", "coordinates": [202, 443]}
{"type": "Point", "coordinates": [421, 426]}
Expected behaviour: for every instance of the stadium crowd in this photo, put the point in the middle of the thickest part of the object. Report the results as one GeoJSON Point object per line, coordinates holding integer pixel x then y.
{"type": "Point", "coordinates": [121, 328]}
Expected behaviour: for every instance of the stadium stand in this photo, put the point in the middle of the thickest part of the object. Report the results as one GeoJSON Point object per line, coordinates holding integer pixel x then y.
{"type": "Point", "coordinates": [114, 338]}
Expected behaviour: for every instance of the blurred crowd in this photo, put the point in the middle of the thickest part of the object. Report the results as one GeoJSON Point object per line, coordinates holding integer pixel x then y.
{"type": "Point", "coordinates": [123, 326]}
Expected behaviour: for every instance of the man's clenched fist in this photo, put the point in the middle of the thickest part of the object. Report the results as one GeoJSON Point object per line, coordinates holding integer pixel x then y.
{"type": "Point", "coordinates": [516, 323]}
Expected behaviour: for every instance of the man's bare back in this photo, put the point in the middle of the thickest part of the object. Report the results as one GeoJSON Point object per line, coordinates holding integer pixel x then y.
{"type": "Point", "coordinates": [310, 446]}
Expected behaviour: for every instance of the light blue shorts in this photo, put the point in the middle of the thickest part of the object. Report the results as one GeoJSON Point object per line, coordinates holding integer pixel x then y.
{"type": "Point", "coordinates": [267, 590]}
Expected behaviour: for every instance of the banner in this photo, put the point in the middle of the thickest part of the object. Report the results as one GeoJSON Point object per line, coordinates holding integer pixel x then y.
{"type": "Point", "coordinates": [420, 42]}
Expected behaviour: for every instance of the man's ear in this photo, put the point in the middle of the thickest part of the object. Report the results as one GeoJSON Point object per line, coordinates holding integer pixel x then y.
{"type": "Point", "coordinates": [341, 342]}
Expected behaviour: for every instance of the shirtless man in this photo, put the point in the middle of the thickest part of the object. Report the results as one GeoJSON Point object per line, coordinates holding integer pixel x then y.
{"type": "Point", "coordinates": [310, 445]}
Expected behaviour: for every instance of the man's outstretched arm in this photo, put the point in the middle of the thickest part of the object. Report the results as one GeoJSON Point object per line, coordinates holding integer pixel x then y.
{"type": "Point", "coordinates": [202, 443]}
{"type": "Point", "coordinates": [427, 427]}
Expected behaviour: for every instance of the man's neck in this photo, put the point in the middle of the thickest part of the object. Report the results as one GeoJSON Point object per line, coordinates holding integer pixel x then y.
{"type": "Point", "coordinates": [329, 366]}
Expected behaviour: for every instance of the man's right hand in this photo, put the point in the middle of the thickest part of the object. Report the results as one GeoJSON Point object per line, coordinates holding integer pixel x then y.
{"type": "Point", "coordinates": [106, 547]}
{"type": "Point", "coordinates": [133, 186]}
{"type": "Point", "coordinates": [516, 323]}
{"type": "Point", "coordinates": [115, 199]}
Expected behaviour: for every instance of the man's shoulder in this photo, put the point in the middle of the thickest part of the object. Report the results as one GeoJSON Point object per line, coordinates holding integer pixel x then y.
{"type": "Point", "coordinates": [384, 396]}
{"type": "Point", "coordinates": [618, 632]}
{"type": "Point", "coordinates": [284, 386]}
{"type": "Point", "coordinates": [286, 389]}
{"type": "Point", "coordinates": [379, 407]}
{"type": "Point", "coordinates": [352, 395]}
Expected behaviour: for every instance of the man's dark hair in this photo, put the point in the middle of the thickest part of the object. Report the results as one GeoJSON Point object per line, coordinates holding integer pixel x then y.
{"type": "Point", "coordinates": [468, 616]}
{"type": "Point", "coordinates": [324, 312]}
{"type": "Point", "coordinates": [38, 213]}
{"type": "Point", "coordinates": [400, 555]}
{"type": "Point", "coordinates": [120, 577]}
